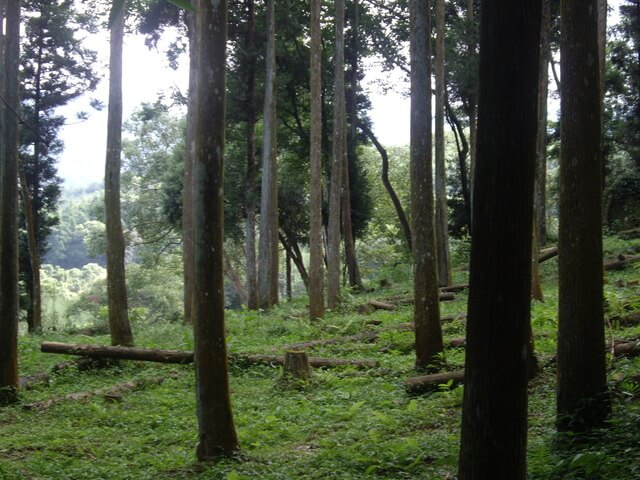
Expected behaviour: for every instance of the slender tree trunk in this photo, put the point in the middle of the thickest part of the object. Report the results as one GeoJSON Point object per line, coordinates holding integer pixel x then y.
{"type": "Point", "coordinates": [251, 194]}
{"type": "Point", "coordinates": [288, 274]}
{"type": "Point", "coordinates": [473, 97]}
{"type": "Point", "coordinates": [339, 143]}
{"type": "Point", "coordinates": [442, 231]}
{"type": "Point", "coordinates": [426, 311]}
{"type": "Point", "coordinates": [384, 174]}
{"type": "Point", "coordinates": [582, 399]}
{"type": "Point", "coordinates": [494, 418]}
{"type": "Point", "coordinates": [35, 292]}
{"type": "Point", "coordinates": [536, 285]}
{"type": "Point", "coordinates": [540, 201]}
{"type": "Point", "coordinates": [316, 268]}
{"type": "Point", "coordinates": [188, 193]}
{"type": "Point", "coordinates": [116, 287]}
{"type": "Point", "coordinates": [9, 87]}
{"type": "Point", "coordinates": [353, 269]}
{"type": "Point", "coordinates": [462, 146]}
{"type": "Point", "coordinates": [268, 259]}
{"type": "Point", "coordinates": [233, 276]}
{"type": "Point", "coordinates": [293, 250]}
{"type": "Point", "coordinates": [217, 435]}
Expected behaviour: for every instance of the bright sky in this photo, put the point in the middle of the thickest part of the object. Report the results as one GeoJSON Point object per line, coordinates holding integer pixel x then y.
{"type": "Point", "coordinates": [145, 75]}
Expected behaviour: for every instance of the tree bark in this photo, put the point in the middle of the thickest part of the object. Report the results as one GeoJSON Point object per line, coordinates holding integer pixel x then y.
{"type": "Point", "coordinates": [316, 267]}
{"type": "Point", "coordinates": [536, 283]}
{"type": "Point", "coordinates": [494, 418]}
{"type": "Point", "coordinates": [251, 194]}
{"type": "Point", "coordinates": [34, 316]}
{"type": "Point", "coordinates": [543, 92]}
{"type": "Point", "coordinates": [9, 305]}
{"type": "Point", "coordinates": [339, 153]}
{"type": "Point", "coordinates": [425, 277]}
{"type": "Point", "coordinates": [188, 189]}
{"type": "Point", "coordinates": [296, 366]}
{"type": "Point", "coordinates": [116, 287]}
{"type": "Point", "coordinates": [582, 398]}
{"type": "Point", "coordinates": [442, 230]}
{"type": "Point", "coordinates": [384, 175]}
{"type": "Point", "coordinates": [217, 436]}
{"type": "Point", "coordinates": [350, 158]}
{"type": "Point", "coordinates": [233, 276]}
{"type": "Point", "coordinates": [473, 99]}
{"type": "Point", "coordinates": [268, 255]}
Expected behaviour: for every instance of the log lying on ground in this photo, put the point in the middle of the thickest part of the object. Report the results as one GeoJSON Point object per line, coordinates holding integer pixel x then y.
{"type": "Point", "coordinates": [378, 305]}
{"type": "Point", "coordinates": [625, 348]}
{"type": "Point", "coordinates": [454, 288]}
{"type": "Point", "coordinates": [120, 353]}
{"type": "Point", "coordinates": [621, 262]}
{"type": "Point", "coordinates": [178, 356]}
{"type": "Point", "coordinates": [106, 392]}
{"type": "Point", "coordinates": [629, 234]}
{"type": "Point", "coordinates": [547, 254]}
{"type": "Point", "coordinates": [430, 383]}
{"type": "Point", "coordinates": [444, 297]}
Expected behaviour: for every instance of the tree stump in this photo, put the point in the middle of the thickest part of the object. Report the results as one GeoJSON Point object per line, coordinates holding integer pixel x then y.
{"type": "Point", "coordinates": [296, 366]}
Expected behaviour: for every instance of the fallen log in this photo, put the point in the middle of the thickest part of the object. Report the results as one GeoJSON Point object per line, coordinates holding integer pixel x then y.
{"type": "Point", "coordinates": [183, 357]}
{"type": "Point", "coordinates": [443, 297]}
{"type": "Point", "coordinates": [624, 348]}
{"type": "Point", "coordinates": [547, 254]}
{"type": "Point", "coordinates": [629, 234]}
{"type": "Point", "coordinates": [315, 362]}
{"type": "Point", "coordinates": [117, 352]}
{"type": "Point", "coordinates": [621, 262]}
{"type": "Point", "coordinates": [624, 321]}
{"type": "Point", "coordinates": [430, 383]}
{"type": "Point", "coordinates": [378, 305]}
{"type": "Point", "coordinates": [454, 288]}
{"type": "Point", "coordinates": [107, 392]}
{"type": "Point", "coordinates": [360, 337]}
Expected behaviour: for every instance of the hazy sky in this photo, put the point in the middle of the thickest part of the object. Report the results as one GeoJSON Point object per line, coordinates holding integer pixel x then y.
{"type": "Point", "coordinates": [145, 75]}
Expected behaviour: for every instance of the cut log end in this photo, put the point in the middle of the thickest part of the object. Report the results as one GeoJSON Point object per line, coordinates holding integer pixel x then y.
{"type": "Point", "coordinates": [296, 366]}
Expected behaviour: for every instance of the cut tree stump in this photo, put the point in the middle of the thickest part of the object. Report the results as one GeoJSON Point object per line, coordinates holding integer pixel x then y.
{"type": "Point", "coordinates": [621, 262]}
{"type": "Point", "coordinates": [104, 392]}
{"type": "Point", "coordinates": [183, 357]}
{"type": "Point", "coordinates": [431, 383]}
{"type": "Point", "coordinates": [296, 366]}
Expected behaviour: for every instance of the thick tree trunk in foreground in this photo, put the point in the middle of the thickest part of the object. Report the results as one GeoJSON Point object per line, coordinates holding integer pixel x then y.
{"type": "Point", "coordinates": [442, 230]}
{"type": "Point", "coordinates": [582, 399]}
{"type": "Point", "coordinates": [494, 418]}
{"type": "Point", "coordinates": [339, 153]}
{"type": "Point", "coordinates": [316, 267]}
{"type": "Point", "coordinates": [116, 287]}
{"type": "Point", "coordinates": [217, 436]}
{"type": "Point", "coordinates": [9, 307]}
{"type": "Point", "coordinates": [250, 193]}
{"type": "Point", "coordinates": [425, 277]}
{"type": "Point", "coordinates": [268, 254]}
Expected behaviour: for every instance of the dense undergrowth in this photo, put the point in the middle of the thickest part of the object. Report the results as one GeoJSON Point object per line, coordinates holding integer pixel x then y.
{"type": "Point", "coordinates": [343, 424]}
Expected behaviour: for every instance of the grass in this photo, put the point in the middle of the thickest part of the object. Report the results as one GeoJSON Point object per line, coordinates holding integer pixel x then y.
{"type": "Point", "coordinates": [343, 424]}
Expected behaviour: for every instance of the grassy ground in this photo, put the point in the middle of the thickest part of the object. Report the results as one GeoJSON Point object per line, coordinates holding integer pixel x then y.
{"type": "Point", "coordinates": [344, 424]}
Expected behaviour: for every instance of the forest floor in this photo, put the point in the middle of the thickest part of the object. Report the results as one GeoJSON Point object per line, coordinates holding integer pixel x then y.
{"type": "Point", "coordinates": [344, 423]}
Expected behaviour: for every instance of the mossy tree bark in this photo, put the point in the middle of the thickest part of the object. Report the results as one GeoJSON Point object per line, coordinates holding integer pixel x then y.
{"type": "Point", "coordinates": [582, 400]}
{"type": "Point", "coordinates": [426, 309]}
{"type": "Point", "coordinates": [9, 306]}
{"type": "Point", "coordinates": [494, 418]}
{"type": "Point", "coordinates": [217, 435]}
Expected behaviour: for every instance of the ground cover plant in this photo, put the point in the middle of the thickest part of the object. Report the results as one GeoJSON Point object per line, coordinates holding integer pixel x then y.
{"type": "Point", "coordinates": [342, 423]}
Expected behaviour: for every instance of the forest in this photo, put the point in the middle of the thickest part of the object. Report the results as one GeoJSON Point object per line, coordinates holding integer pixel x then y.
{"type": "Point", "coordinates": [261, 288]}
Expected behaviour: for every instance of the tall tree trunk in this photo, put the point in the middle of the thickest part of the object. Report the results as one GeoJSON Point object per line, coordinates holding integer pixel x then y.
{"type": "Point", "coordinates": [384, 175]}
{"type": "Point", "coordinates": [116, 287]}
{"type": "Point", "coordinates": [188, 190]}
{"type": "Point", "coordinates": [316, 268]}
{"type": "Point", "coordinates": [217, 435]}
{"type": "Point", "coordinates": [339, 144]}
{"type": "Point", "coordinates": [426, 311]}
{"type": "Point", "coordinates": [251, 194]}
{"type": "Point", "coordinates": [536, 285]}
{"type": "Point", "coordinates": [268, 255]}
{"type": "Point", "coordinates": [442, 231]}
{"type": "Point", "coordinates": [288, 275]}
{"type": "Point", "coordinates": [494, 418]}
{"type": "Point", "coordinates": [473, 97]}
{"type": "Point", "coordinates": [234, 278]}
{"type": "Point", "coordinates": [462, 146]}
{"type": "Point", "coordinates": [9, 87]}
{"type": "Point", "coordinates": [34, 316]}
{"type": "Point", "coordinates": [602, 54]}
{"type": "Point", "coordinates": [353, 269]}
{"type": "Point", "coordinates": [540, 201]}
{"type": "Point", "coordinates": [582, 399]}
